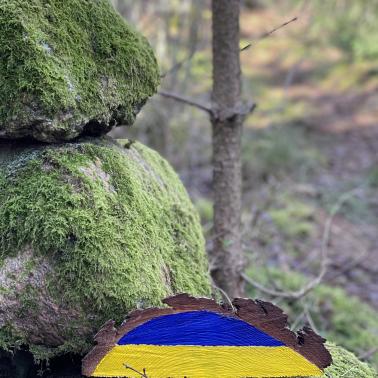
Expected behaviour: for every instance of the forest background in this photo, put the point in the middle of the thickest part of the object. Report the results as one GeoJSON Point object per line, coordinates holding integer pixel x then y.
{"type": "Point", "coordinates": [310, 149]}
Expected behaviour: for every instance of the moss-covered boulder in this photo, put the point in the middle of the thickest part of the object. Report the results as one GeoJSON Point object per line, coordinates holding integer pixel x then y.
{"type": "Point", "coordinates": [89, 231]}
{"type": "Point", "coordinates": [70, 68]}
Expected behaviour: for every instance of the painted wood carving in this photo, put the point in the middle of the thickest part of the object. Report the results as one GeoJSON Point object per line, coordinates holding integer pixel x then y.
{"type": "Point", "coordinates": [197, 338]}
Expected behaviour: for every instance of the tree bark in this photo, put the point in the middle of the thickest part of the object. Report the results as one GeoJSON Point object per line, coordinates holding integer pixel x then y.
{"type": "Point", "coordinates": [227, 254]}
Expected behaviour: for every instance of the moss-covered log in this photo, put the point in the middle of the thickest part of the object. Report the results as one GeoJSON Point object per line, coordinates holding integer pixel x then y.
{"type": "Point", "coordinates": [70, 68]}
{"type": "Point", "coordinates": [89, 231]}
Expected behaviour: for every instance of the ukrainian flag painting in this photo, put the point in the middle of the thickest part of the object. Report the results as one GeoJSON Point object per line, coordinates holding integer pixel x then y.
{"type": "Point", "coordinates": [196, 341]}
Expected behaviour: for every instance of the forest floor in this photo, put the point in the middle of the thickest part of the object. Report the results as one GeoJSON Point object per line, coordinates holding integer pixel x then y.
{"type": "Point", "coordinates": [345, 150]}
{"type": "Point", "coordinates": [309, 149]}
{"type": "Point", "coordinates": [310, 166]}
{"type": "Point", "coordinates": [330, 105]}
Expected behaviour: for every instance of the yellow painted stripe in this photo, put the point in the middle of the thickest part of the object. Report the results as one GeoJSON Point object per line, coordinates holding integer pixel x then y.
{"type": "Point", "coordinates": [205, 362]}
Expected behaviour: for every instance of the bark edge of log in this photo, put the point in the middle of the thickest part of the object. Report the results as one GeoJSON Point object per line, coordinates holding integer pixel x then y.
{"type": "Point", "coordinates": [265, 316]}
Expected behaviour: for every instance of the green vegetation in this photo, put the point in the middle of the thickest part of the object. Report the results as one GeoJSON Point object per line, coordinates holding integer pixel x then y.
{"type": "Point", "coordinates": [294, 219]}
{"type": "Point", "coordinates": [357, 207]}
{"type": "Point", "coordinates": [346, 364]}
{"type": "Point", "coordinates": [69, 68]}
{"type": "Point", "coordinates": [341, 318]}
{"type": "Point", "coordinates": [88, 232]}
{"type": "Point", "coordinates": [352, 27]}
{"type": "Point", "coordinates": [279, 151]}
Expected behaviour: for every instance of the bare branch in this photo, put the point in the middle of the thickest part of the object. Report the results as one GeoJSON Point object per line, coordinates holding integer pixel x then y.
{"type": "Point", "coordinates": [267, 34]}
{"type": "Point", "coordinates": [241, 110]}
{"type": "Point", "coordinates": [187, 101]}
{"type": "Point", "coordinates": [324, 258]}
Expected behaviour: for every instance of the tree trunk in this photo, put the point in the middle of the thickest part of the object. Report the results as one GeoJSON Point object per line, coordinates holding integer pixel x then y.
{"type": "Point", "coordinates": [227, 254]}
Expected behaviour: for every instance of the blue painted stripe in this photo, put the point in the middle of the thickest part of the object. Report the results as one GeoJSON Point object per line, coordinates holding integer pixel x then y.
{"type": "Point", "coordinates": [202, 328]}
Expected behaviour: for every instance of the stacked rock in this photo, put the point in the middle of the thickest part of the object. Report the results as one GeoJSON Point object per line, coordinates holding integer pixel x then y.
{"type": "Point", "coordinates": [89, 228]}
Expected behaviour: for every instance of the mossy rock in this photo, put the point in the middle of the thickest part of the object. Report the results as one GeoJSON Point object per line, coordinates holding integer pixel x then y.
{"type": "Point", "coordinates": [70, 68]}
{"type": "Point", "coordinates": [89, 231]}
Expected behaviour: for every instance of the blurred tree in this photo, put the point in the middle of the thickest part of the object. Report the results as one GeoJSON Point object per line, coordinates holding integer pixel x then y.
{"type": "Point", "coordinates": [177, 37]}
{"type": "Point", "coordinates": [227, 122]}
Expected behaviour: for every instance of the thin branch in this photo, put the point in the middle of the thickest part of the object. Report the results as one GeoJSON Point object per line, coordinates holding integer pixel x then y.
{"type": "Point", "coordinates": [368, 354]}
{"type": "Point", "coordinates": [187, 101]}
{"type": "Point", "coordinates": [267, 34]}
{"type": "Point", "coordinates": [310, 319]}
{"type": "Point", "coordinates": [298, 320]}
{"type": "Point", "coordinates": [143, 375]}
{"type": "Point", "coordinates": [346, 267]}
{"type": "Point", "coordinates": [178, 65]}
{"type": "Point", "coordinates": [224, 294]}
{"type": "Point", "coordinates": [266, 290]}
{"type": "Point", "coordinates": [324, 258]}
{"type": "Point", "coordinates": [241, 110]}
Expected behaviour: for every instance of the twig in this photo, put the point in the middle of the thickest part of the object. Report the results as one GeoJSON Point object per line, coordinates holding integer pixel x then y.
{"type": "Point", "coordinates": [368, 354]}
{"type": "Point", "coordinates": [178, 65]}
{"type": "Point", "coordinates": [298, 320]}
{"type": "Point", "coordinates": [242, 110]}
{"type": "Point", "coordinates": [266, 290]}
{"type": "Point", "coordinates": [348, 266]}
{"type": "Point", "coordinates": [324, 258]}
{"type": "Point", "coordinates": [187, 101]}
{"type": "Point", "coordinates": [143, 375]}
{"type": "Point", "coordinates": [225, 295]}
{"type": "Point", "coordinates": [267, 34]}
{"type": "Point", "coordinates": [310, 319]}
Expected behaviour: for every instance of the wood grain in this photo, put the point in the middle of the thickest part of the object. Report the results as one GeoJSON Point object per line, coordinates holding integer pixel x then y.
{"type": "Point", "coordinates": [264, 316]}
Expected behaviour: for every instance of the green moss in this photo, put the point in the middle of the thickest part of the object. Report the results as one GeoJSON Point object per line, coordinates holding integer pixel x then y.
{"type": "Point", "coordinates": [346, 364]}
{"type": "Point", "coordinates": [10, 338]}
{"type": "Point", "coordinates": [68, 64]}
{"type": "Point", "coordinates": [114, 227]}
{"type": "Point", "coordinates": [338, 316]}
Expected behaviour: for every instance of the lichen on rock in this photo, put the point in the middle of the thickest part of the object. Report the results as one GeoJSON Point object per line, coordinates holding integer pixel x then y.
{"type": "Point", "coordinates": [89, 231]}
{"type": "Point", "coordinates": [70, 68]}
